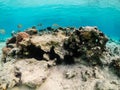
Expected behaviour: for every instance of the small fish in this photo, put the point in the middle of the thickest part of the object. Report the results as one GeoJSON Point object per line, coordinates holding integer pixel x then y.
{"type": "Point", "coordinates": [13, 33]}
{"type": "Point", "coordinates": [2, 31]}
{"type": "Point", "coordinates": [39, 24]}
{"type": "Point", "coordinates": [56, 25]}
{"type": "Point", "coordinates": [33, 27]}
{"type": "Point", "coordinates": [19, 25]}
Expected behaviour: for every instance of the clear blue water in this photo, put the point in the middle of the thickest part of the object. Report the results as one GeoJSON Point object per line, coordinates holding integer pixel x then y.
{"type": "Point", "coordinates": [102, 13]}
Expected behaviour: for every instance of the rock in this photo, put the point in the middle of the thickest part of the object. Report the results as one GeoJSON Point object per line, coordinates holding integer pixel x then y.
{"type": "Point", "coordinates": [33, 73]}
{"type": "Point", "coordinates": [21, 36]}
{"type": "Point", "coordinates": [96, 73]}
{"type": "Point", "coordinates": [86, 75]}
{"type": "Point", "coordinates": [24, 43]}
{"type": "Point", "coordinates": [116, 50]}
{"type": "Point", "coordinates": [31, 31]}
{"type": "Point", "coordinates": [14, 52]}
{"type": "Point", "coordinates": [5, 52]}
{"type": "Point", "coordinates": [11, 45]}
{"type": "Point", "coordinates": [115, 66]}
{"type": "Point", "coordinates": [3, 86]}
{"type": "Point", "coordinates": [70, 74]}
{"type": "Point", "coordinates": [17, 73]}
{"type": "Point", "coordinates": [114, 82]}
{"type": "Point", "coordinates": [105, 85]}
{"type": "Point", "coordinates": [41, 44]}
{"type": "Point", "coordinates": [46, 57]}
{"type": "Point", "coordinates": [27, 50]}
{"type": "Point", "coordinates": [60, 28]}
{"type": "Point", "coordinates": [51, 64]}
{"type": "Point", "coordinates": [31, 85]}
{"type": "Point", "coordinates": [11, 40]}
{"type": "Point", "coordinates": [49, 28]}
{"type": "Point", "coordinates": [13, 83]}
{"type": "Point", "coordinates": [88, 43]}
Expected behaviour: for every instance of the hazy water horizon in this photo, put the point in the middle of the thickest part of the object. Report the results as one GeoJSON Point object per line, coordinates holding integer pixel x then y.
{"type": "Point", "coordinates": [104, 14]}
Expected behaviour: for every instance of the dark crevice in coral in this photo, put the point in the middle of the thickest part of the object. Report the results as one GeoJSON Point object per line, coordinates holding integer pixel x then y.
{"type": "Point", "coordinates": [18, 74]}
{"type": "Point", "coordinates": [53, 55]}
{"type": "Point", "coordinates": [35, 52]}
{"type": "Point", "coordinates": [115, 67]}
{"type": "Point", "coordinates": [11, 40]}
{"type": "Point", "coordinates": [94, 61]}
{"type": "Point", "coordinates": [68, 59]}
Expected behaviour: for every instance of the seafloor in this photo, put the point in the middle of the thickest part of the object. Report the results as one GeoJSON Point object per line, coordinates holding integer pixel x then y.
{"type": "Point", "coordinates": [65, 58]}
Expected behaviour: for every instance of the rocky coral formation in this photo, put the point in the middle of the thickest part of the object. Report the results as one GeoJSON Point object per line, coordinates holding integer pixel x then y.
{"type": "Point", "coordinates": [31, 31]}
{"type": "Point", "coordinates": [35, 46]}
{"type": "Point", "coordinates": [115, 66]}
{"type": "Point", "coordinates": [30, 60]}
{"type": "Point", "coordinates": [20, 37]}
{"type": "Point", "coordinates": [88, 43]}
{"type": "Point", "coordinates": [5, 52]}
{"type": "Point", "coordinates": [14, 74]}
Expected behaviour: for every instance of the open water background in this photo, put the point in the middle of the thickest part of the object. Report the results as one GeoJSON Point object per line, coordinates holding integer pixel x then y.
{"type": "Point", "coordinates": [102, 13]}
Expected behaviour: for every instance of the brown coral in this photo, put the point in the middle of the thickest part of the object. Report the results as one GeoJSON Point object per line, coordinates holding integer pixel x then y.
{"type": "Point", "coordinates": [5, 51]}
{"type": "Point", "coordinates": [21, 36]}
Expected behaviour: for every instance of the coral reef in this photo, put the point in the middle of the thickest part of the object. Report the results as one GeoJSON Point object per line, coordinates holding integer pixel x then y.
{"type": "Point", "coordinates": [115, 66]}
{"type": "Point", "coordinates": [21, 36]}
{"type": "Point", "coordinates": [36, 60]}
{"type": "Point", "coordinates": [88, 43]}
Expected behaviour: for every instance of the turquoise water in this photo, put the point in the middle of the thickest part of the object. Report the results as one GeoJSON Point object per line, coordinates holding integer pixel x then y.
{"type": "Point", "coordinates": [102, 13]}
